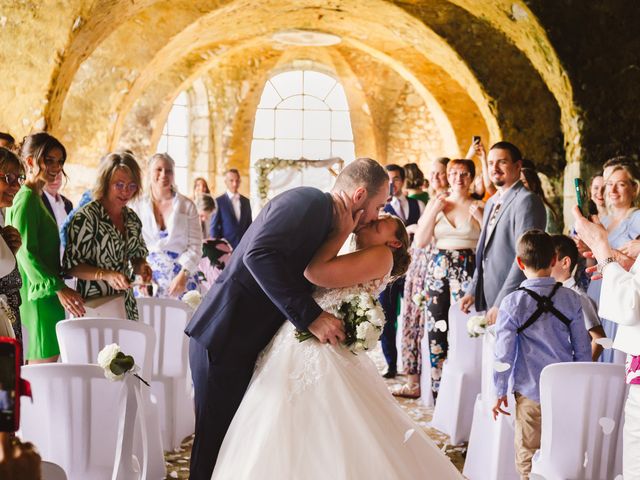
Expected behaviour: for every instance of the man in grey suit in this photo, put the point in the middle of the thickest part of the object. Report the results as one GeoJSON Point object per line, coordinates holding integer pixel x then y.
{"type": "Point", "coordinates": [509, 213]}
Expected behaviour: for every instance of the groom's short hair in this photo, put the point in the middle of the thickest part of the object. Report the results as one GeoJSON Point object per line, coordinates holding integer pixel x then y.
{"type": "Point", "coordinates": [362, 172]}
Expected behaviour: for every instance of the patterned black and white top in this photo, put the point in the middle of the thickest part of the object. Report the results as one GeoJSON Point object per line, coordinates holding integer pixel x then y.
{"type": "Point", "coordinates": [92, 239]}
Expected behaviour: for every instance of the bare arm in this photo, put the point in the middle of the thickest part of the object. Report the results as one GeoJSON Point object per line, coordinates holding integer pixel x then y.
{"type": "Point", "coordinates": [332, 271]}
{"type": "Point", "coordinates": [427, 222]}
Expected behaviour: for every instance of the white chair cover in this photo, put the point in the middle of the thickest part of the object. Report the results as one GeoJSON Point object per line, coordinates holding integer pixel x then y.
{"type": "Point", "coordinates": [76, 420]}
{"type": "Point", "coordinates": [81, 339]}
{"type": "Point", "coordinates": [460, 382]}
{"type": "Point", "coordinates": [51, 471]}
{"type": "Point", "coordinates": [491, 452]}
{"type": "Point", "coordinates": [582, 411]}
{"type": "Point", "coordinates": [171, 380]}
{"type": "Point", "coordinates": [426, 394]}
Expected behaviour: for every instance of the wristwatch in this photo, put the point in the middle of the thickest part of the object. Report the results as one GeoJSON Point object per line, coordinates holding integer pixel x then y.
{"type": "Point", "coordinates": [600, 266]}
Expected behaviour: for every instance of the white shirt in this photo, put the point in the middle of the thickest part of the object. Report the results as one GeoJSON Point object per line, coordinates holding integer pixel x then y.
{"type": "Point", "coordinates": [184, 235]}
{"type": "Point", "coordinates": [401, 206]}
{"type": "Point", "coordinates": [589, 308]}
{"type": "Point", "coordinates": [235, 201]}
{"type": "Point", "coordinates": [57, 205]}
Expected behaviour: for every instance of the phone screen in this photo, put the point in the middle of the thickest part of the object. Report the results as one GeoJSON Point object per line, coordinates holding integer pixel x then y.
{"type": "Point", "coordinates": [475, 139]}
{"type": "Point", "coordinates": [392, 190]}
{"type": "Point", "coordinates": [7, 387]}
{"type": "Point", "coordinates": [581, 197]}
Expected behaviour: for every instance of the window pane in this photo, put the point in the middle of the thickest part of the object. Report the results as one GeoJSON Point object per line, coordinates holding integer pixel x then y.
{"type": "Point", "coordinates": [270, 97]}
{"type": "Point", "coordinates": [162, 144]}
{"type": "Point", "coordinates": [317, 125]}
{"type": "Point", "coordinates": [182, 99]}
{"type": "Point", "coordinates": [264, 126]}
{"type": "Point", "coordinates": [312, 103]}
{"type": "Point", "coordinates": [178, 150]}
{"type": "Point", "coordinates": [181, 180]}
{"type": "Point", "coordinates": [317, 84]}
{"type": "Point", "coordinates": [341, 126]}
{"type": "Point", "coordinates": [316, 149]}
{"type": "Point", "coordinates": [344, 150]}
{"type": "Point", "coordinates": [294, 102]}
{"type": "Point", "coordinates": [289, 149]}
{"type": "Point", "coordinates": [288, 83]}
{"type": "Point", "coordinates": [178, 122]}
{"type": "Point", "coordinates": [261, 149]}
{"type": "Point", "coordinates": [288, 124]}
{"type": "Point", "coordinates": [337, 100]}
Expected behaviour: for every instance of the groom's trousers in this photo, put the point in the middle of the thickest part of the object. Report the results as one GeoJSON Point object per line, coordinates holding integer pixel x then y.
{"type": "Point", "coordinates": [218, 392]}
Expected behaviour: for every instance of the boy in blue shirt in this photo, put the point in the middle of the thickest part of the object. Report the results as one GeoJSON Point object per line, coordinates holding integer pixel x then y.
{"type": "Point", "coordinates": [539, 324]}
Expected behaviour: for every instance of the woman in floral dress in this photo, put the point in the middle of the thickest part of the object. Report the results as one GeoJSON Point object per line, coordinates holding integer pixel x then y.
{"type": "Point", "coordinates": [413, 313]}
{"type": "Point", "coordinates": [171, 230]}
{"type": "Point", "coordinates": [451, 225]}
{"type": "Point", "coordinates": [105, 248]}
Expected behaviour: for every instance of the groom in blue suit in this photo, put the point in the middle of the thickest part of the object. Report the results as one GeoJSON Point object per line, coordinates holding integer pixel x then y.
{"type": "Point", "coordinates": [233, 215]}
{"type": "Point", "coordinates": [263, 286]}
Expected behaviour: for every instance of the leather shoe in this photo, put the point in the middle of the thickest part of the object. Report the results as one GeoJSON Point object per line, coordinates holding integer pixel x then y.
{"type": "Point", "coordinates": [390, 374]}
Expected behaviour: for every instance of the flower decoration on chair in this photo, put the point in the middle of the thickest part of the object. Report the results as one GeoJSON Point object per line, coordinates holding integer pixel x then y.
{"type": "Point", "coordinates": [192, 298]}
{"type": "Point", "coordinates": [476, 325]}
{"type": "Point", "coordinates": [363, 319]}
{"type": "Point", "coordinates": [116, 364]}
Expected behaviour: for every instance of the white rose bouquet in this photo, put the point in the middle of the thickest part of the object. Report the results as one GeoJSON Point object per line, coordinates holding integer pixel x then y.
{"type": "Point", "coordinates": [192, 298]}
{"type": "Point", "coordinates": [363, 319]}
{"type": "Point", "coordinates": [115, 363]}
{"type": "Point", "coordinates": [476, 325]}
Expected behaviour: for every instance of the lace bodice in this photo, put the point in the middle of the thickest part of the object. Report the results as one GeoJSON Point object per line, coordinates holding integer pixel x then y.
{"type": "Point", "coordinates": [327, 298]}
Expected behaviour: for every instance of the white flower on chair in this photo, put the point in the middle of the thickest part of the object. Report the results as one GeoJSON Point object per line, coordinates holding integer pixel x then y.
{"type": "Point", "coordinates": [115, 363]}
{"type": "Point", "coordinates": [192, 298]}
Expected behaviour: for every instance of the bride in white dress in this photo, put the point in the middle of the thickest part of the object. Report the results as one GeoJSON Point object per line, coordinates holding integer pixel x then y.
{"type": "Point", "coordinates": [318, 411]}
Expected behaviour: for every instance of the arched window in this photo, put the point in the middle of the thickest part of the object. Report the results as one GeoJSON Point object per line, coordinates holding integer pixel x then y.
{"type": "Point", "coordinates": [175, 140]}
{"type": "Point", "coordinates": [302, 113]}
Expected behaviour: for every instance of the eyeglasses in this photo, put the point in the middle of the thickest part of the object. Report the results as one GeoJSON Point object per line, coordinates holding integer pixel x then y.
{"type": "Point", "coordinates": [13, 179]}
{"type": "Point", "coordinates": [121, 187]}
{"type": "Point", "coordinates": [454, 173]}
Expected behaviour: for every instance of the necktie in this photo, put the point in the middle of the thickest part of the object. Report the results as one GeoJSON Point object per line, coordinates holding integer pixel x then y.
{"type": "Point", "coordinates": [403, 215]}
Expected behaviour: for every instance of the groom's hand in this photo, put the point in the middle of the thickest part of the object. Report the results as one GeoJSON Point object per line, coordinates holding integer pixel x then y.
{"type": "Point", "coordinates": [328, 329]}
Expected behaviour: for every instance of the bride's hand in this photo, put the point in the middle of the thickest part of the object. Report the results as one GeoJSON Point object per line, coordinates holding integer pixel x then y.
{"type": "Point", "coordinates": [344, 220]}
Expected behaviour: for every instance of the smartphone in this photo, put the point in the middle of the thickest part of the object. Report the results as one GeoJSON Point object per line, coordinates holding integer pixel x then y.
{"type": "Point", "coordinates": [581, 197]}
{"type": "Point", "coordinates": [392, 190]}
{"type": "Point", "coordinates": [9, 384]}
{"type": "Point", "coordinates": [475, 139]}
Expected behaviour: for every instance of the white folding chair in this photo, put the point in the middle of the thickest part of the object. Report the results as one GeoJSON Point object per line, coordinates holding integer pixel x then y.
{"type": "Point", "coordinates": [491, 452]}
{"type": "Point", "coordinates": [582, 416]}
{"type": "Point", "coordinates": [460, 382]}
{"type": "Point", "coordinates": [81, 339]}
{"type": "Point", "coordinates": [171, 381]}
{"type": "Point", "coordinates": [77, 421]}
{"type": "Point", "coordinates": [51, 471]}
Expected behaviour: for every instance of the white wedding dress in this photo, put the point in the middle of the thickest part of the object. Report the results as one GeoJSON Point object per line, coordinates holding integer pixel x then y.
{"type": "Point", "coordinates": [315, 412]}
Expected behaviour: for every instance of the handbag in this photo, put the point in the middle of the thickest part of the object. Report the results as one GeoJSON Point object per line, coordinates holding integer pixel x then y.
{"type": "Point", "coordinates": [109, 306]}
{"type": "Point", "coordinates": [6, 319]}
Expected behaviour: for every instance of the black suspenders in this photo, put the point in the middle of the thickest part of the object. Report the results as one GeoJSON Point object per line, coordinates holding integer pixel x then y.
{"type": "Point", "coordinates": [545, 305]}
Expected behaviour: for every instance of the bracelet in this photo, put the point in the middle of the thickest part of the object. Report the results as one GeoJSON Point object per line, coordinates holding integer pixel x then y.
{"type": "Point", "coordinates": [600, 266]}
{"type": "Point", "coordinates": [99, 274]}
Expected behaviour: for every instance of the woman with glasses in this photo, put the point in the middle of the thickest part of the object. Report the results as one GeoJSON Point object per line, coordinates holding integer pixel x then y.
{"type": "Point", "coordinates": [450, 225]}
{"type": "Point", "coordinates": [44, 294]}
{"type": "Point", "coordinates": [105, 248]}
{"type": "Point", "coordinates": [11, 178]}
{"type": "Point", "coordinates": [171, 230]}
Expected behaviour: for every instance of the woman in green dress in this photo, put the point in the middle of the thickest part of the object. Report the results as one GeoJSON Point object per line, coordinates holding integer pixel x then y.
{"type": "Point", "coordinates": [104, 244]}
{"type": "Point", "coordinates": [44, 294]}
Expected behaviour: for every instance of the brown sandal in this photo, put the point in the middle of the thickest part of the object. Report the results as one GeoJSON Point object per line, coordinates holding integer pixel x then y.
{"type": "Point", "coordinates": [407, 390]}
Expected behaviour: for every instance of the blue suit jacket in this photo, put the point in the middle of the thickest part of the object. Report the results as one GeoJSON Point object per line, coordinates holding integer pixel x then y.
{"type": "Point", "coordinates": [264, 282]}
{"type": "Point", "coordinates": [224, 223]}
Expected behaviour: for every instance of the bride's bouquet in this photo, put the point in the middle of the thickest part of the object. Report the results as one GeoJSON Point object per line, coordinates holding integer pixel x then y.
{"type": "Point", "coordinates": [363, 319]}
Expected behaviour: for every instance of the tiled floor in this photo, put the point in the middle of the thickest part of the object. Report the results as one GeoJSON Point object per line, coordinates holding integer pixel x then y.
{"type": "Point", "coordinates": [178, 461]}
